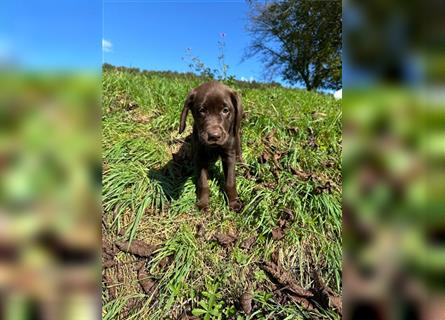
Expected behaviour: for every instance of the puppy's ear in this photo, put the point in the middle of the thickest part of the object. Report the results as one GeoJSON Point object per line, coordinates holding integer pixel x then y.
{"type": "Point", "coordinates": [236, 101]}
{"type": "Point", "coordinates": [187, 104]}
{"type": "Point", "coordinates": [236, 125]}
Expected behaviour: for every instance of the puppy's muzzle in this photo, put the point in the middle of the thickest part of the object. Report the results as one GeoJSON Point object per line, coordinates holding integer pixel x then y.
{"type": "Point", "coordinates": [214, 135]}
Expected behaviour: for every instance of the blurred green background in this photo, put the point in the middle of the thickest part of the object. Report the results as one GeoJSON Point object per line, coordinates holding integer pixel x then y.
{"type": "Point", "coordinates": [393, 160]}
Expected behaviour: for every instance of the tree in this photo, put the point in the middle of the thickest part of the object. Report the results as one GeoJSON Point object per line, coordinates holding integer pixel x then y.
{"type": "Point", "coordinates": [300, 39]}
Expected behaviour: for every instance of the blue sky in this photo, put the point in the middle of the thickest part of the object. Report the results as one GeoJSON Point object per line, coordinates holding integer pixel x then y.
{"type": "Point", "coordinates": [155, 35]}
{"type": "Point", "coordinates": [147, 34]}
{"type": "Point", "coordinates": [51, 34]}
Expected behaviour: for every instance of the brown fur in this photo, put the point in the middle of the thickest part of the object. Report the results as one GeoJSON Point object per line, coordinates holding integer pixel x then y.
{"type": "Point", "coordinates": [217, 113]}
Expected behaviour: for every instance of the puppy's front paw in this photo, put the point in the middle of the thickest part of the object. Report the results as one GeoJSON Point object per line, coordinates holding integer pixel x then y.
{"type": "Point", "coordinates": [203, 205]}
{"type": "Point", "coordinates": [236, 205]}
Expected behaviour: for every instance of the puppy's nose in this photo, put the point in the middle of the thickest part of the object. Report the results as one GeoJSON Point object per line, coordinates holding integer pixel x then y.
{"type": "Point", "coordinates": [214, 135]}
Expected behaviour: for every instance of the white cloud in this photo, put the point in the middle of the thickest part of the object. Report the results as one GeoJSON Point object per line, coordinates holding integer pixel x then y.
{"type": "Point", "coordinates": [250, 79]}
{"type": "Point", "coordinates": [106, 45]}
{"type": "Point", "coordinates": [338, 94]}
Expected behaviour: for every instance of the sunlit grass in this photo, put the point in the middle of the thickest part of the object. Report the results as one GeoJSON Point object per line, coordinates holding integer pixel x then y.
{"type": "Point", "coordinates": [142, 199]}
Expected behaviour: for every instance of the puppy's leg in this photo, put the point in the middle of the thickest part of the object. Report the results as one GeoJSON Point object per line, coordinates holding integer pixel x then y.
{"type": "Point", "coordinates": [239, 157]}
{"type": "Point", "coordinates": [202, 185]}
{"type": "Point", "coordinates": [229, 171]}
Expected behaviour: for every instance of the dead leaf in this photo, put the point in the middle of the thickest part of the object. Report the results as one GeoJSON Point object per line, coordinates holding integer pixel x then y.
{"type": "Point", "coordinates": [137, 247]}
{"type": "Point", "coordinates": [131, 105]}
{"type": "Point", "coordinates": [312, 141]}
{"type": "Point", "coordinates": [270, 140]}
{"type": "Point", "coordinates": [165, 262]}
{"type": "Point", "coordinates": [141, 118]}
{"type": "Point", "coordinates": [320, 188]}
{"type": "Point", "coordinates": [108, 264]}
{"type": "Point", "coordinates": [324, 295]}
{"type": "Point", "coordinates": [275, 257]}
{"type": "Point", "coordinates": [317, 115]}
{"type": "Point", "coordinates": [285, 279]}
{"type": "Point", "coordinates": [247, 243]}
{"type": "Point", "coordinates": [271, 135]}
{"type": "Point", "coordinates": [109, 284]}
{"type": "Point", "coordinates": [246, 301]}
{"type": "Point", "coordinates": [288, 214]}
{"type": "Point", "coordinates": [247, 174]}
{"type": "Point", "coordinates": [145, 281]}
{"type": "Point", "coordinates": [189, 317]}
{"type": "Point", "coordinates": [269, 185]}
{"type": "Point", "coordinates": [282, 223]}
{"type": "Point", "coordinates": [300, 174]}
{"type": "Point", "coordinates": [108, 248]}
{"type": "Point", "coordinates": [292, 130]}
{"type": "Point", "coordinates": [336, 303]}
{"type": "Point", "coordinates": [301, 301]}
{"type": "Point", "coordinates": [120, 274]}
{"type": "Point", "coordinates": [200, 230]}
{"type": "Point", "coordinates": [265, 156]}
{"type": "Point", "coordinates": [275, 159]}
{"type": "Point", "coordinates": [225, 239]}
{"type": "Point", "coordinates": [328, 163]}
{"type": "Point", "coordinates": [132, 304]}
{"type": "Point", "coordinates": [277, 233]}
{"type": "Point", "coordinates": [279, 296]}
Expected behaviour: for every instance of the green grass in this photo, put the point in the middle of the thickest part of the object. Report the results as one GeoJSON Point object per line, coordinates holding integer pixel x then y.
{"type": "Point", "coordinates": [146, 197]}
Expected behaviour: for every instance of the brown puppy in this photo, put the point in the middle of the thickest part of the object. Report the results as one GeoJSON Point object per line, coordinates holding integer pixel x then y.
{"type": "Point", "coordinates": [217, 114]}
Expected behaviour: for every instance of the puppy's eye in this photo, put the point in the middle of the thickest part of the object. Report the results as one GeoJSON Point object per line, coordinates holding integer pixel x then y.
{"type": "Point", "coordinates": [202, 110]}
{"type": "Point", "coordinates": [225, 110]}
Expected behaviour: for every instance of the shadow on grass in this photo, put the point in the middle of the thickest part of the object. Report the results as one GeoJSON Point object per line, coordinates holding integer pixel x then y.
{"type": "Point", "coordinates": [174, 174]}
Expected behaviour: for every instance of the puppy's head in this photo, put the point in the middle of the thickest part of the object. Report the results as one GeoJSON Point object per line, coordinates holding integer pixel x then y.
{"type": "Point", "coordinates": [216, 111]}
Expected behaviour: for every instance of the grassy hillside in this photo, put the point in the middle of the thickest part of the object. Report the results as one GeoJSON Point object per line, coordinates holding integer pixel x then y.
{"type": "Point", "coordinates": [216, 265]}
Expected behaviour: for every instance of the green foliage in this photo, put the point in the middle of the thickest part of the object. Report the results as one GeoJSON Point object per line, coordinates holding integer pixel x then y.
{"type": "Point", "coordinates": [302, 40]}
{"type": "Point", "coordinates": [211, 306]}
{"type": "Point", "coordinates": [198, 66]}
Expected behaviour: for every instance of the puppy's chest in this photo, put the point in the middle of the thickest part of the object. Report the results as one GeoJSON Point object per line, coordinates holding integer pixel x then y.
{"type": "Point", "coordinates": [208, 153]}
